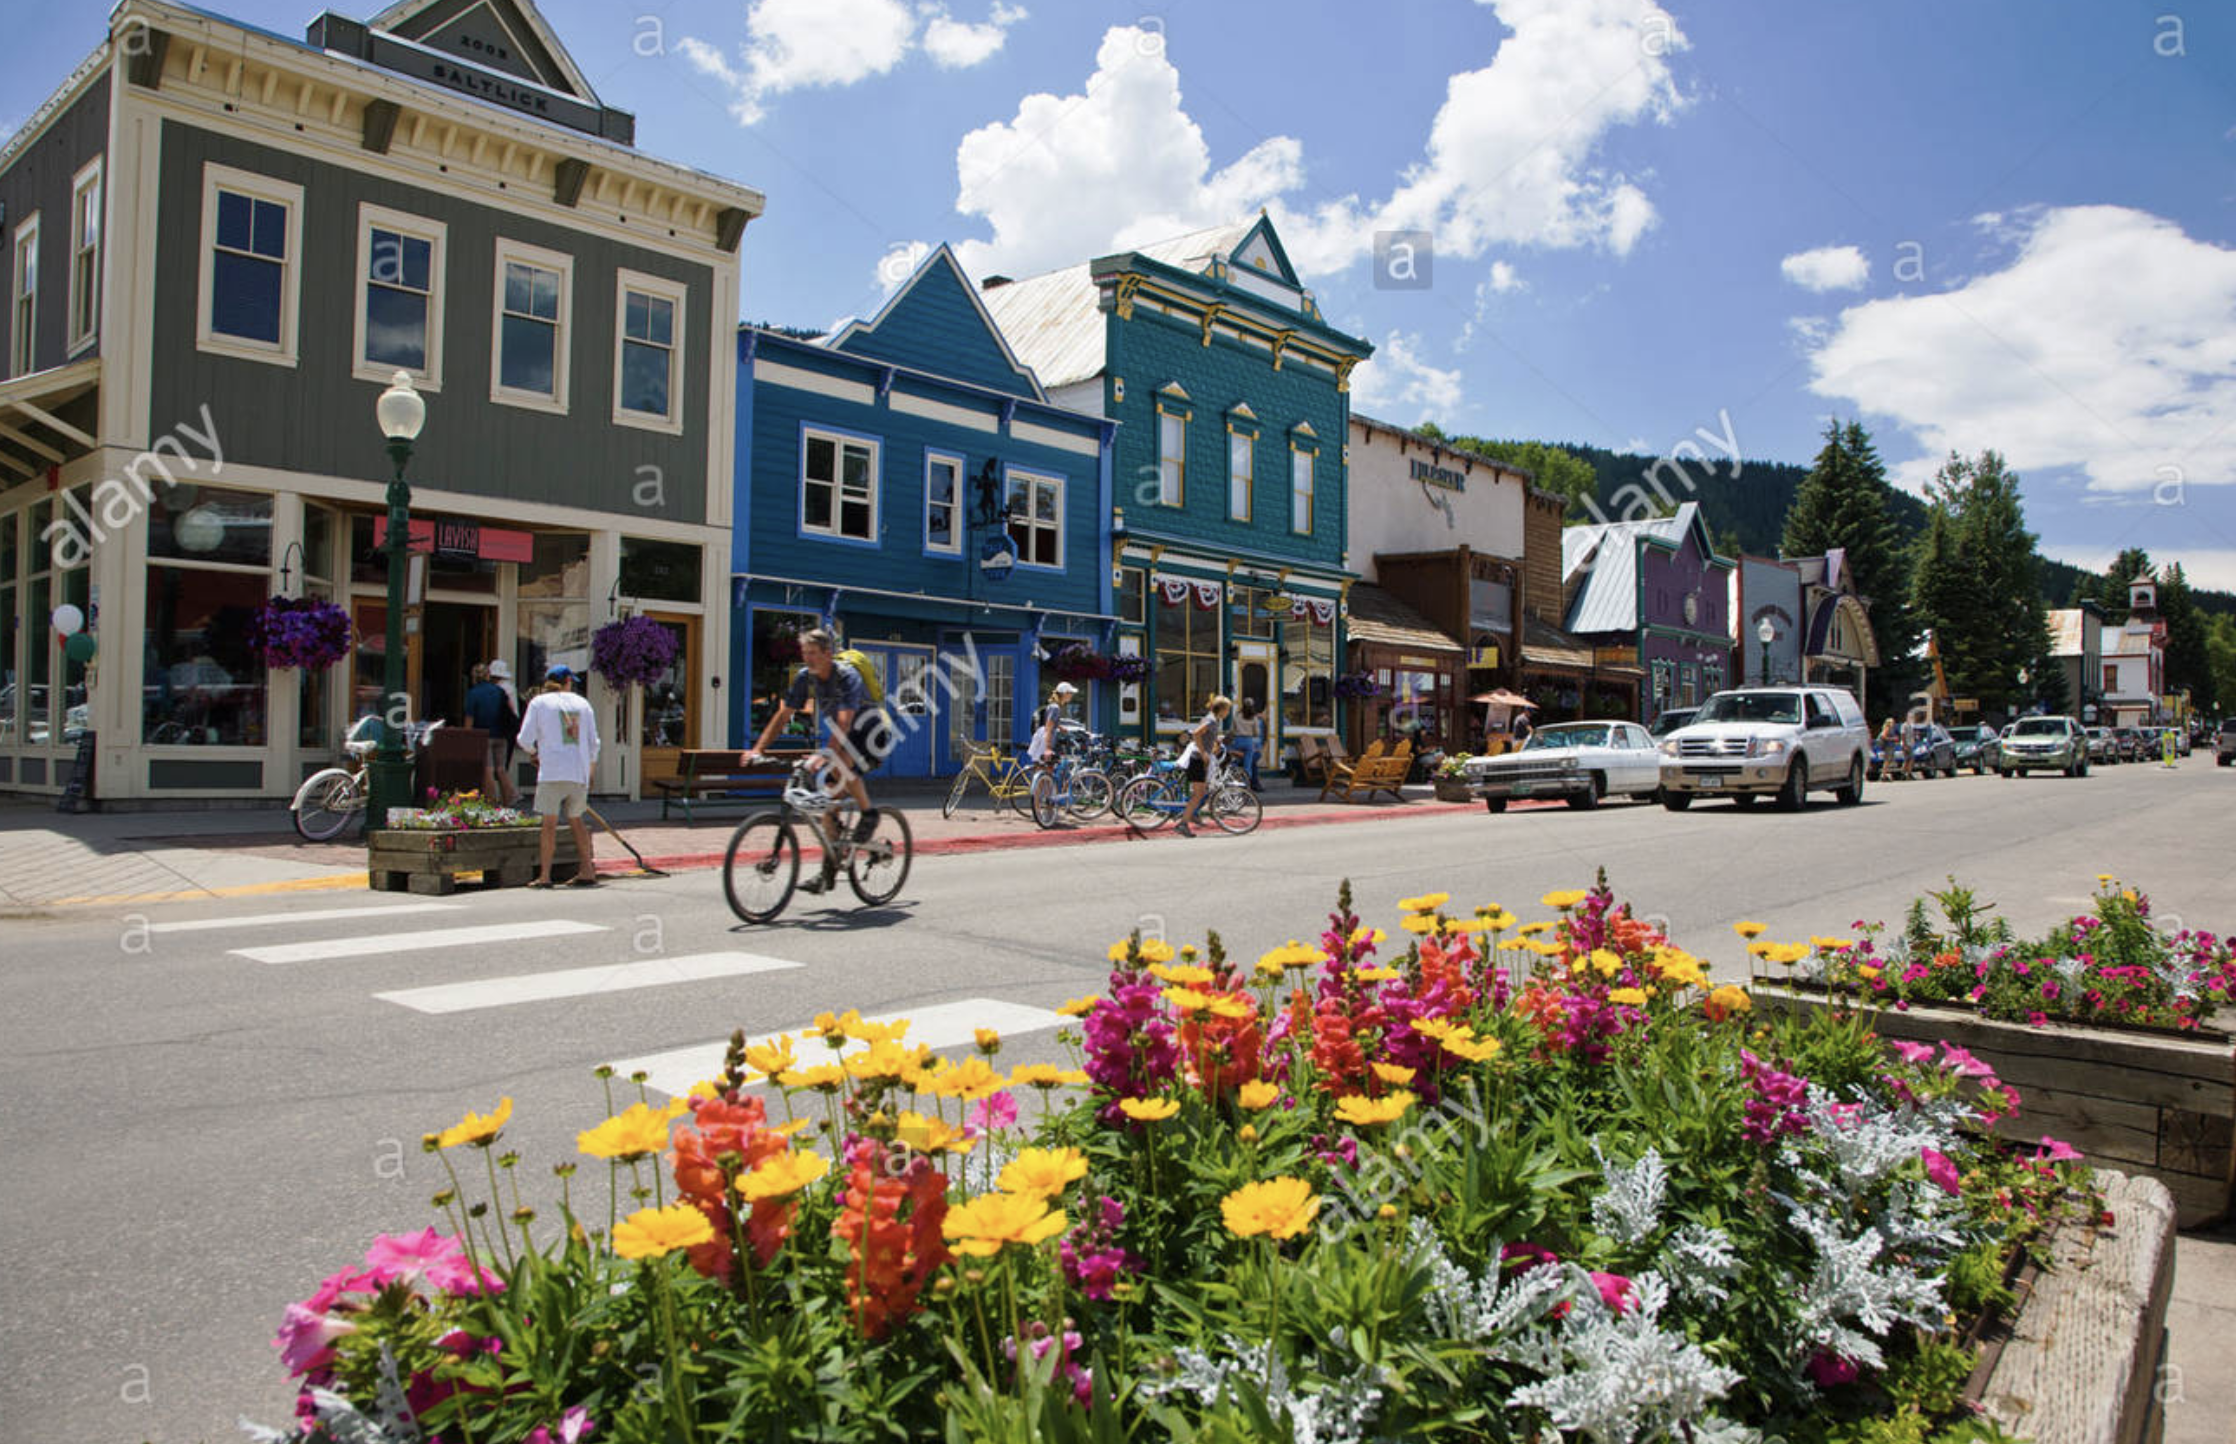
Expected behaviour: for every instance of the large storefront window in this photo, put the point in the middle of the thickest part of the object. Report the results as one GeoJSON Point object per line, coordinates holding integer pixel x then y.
{"type": "Point", "coordinates": [1187, 658]}
{"type": "Point", "coordinates": [203, 685]}
{"type": "Point", "coordinates": [1257, 613]}
{"type": "Point", "coordinates": [1307, 673]}
{"type": "Point", "coordinates": [554, 611]}
{"type": "Point", "coordinates": [776, 656]}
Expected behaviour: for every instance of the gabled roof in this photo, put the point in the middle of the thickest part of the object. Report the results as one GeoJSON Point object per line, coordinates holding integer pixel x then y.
{"type": "Point", "coordinates": [528, 48]}
{"type": "Point", "coordinates": [936, 322]}
{"type": "Point", "coordinates": [1606, 555]}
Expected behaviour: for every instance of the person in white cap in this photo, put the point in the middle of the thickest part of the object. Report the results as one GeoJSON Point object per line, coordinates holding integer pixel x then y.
{"type": "Point", "coordinates": [491, 707]}
{"type": "Point", "coordinates": [1042, 750]}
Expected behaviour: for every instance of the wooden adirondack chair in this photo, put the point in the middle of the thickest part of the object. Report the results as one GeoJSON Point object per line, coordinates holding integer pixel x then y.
{"type": "Point", "coordinates": [1340, 774]}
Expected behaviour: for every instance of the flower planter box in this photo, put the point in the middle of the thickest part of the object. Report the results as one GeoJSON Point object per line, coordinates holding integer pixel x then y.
{"type": "Point", "coordinates": [2158, 1104]}
{"type": "Point", "coordinates": [430, 861]}
{"type": "Point", "coordinates": [1452, 789]}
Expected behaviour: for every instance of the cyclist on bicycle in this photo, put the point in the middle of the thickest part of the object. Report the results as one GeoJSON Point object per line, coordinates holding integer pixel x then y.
{"type": "Point", "coordinates": [1047, 724]}
{"type": "Point", "coordinates": [859, 737]}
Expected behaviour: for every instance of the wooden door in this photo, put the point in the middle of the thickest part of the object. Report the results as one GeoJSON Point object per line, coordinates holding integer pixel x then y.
{"type": "Point", "coordinates": [667, 710]}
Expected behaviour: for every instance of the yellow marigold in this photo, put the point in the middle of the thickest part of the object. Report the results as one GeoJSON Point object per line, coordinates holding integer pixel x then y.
{"type": "Point", "coordinates": [1609, 963]}
{"type": "Point", "coordinates": [479, 1129]}
{"type": "Point", "coordinates": [930, 1135]}
{"type": "Point", "coordinates": [1786, 954]}
{"type": "Point", "coordinates": [634, 1132]}
{"type": "Point", "coordinates": [824, 1077]}
{"type": "Point", "coordinates": [1156, 950]}
{"type": "Point", "coordinates": [1185, 975]}
{"type": "Point", "coordinates": [1628, 997]}
{"type": "Point", "coordinates": [882, 1060]}
{"type": "Point", "coordinates": [783, 1174]}
{"type": "Point", "coordinates": [1419, 924]}
{"type": "Point", "coordinates": [865, 1032]}
{"type": "Point", "coordinates": [1437, 1027]}
{"type": "Point", "coordinates": [1366, 1112]}
{"type": "Point", "coordinates": [1187, 1002]}
{"type": "Point", "coordinates": [1868, 972]}
{"type": "Point", "coordinates": [990, 1222]}
{"type": "Point", "coordinates": [1258, 1096]}
{"type": "Point", "coordinates": [1732, 999]}
{"type": "Point", "coordinates": [1427, 902]}
{"type": "Point", "coordinates": [771, 1058]}
{"type": "Point", "coordinates": [1749, 931]}
{"type": "Point", "coordinates": [1277, 1208]}
{"type": "Point", "coordinates": [1036, 1075]}
{"type": "Point", "coordinates": [1079, 1007]}
{"type": "Point", "coordinates": [972, 1079]}
{"type": "Point", "coordinates": [1531, 930]}
{"type": "Point", "coordinates": [1044, 1172]}
{"type": "Point", "coordinates": [1830, 945]}
{"type": "Point", "coordinates": [2105, 877]}
{"type": "Point", "coordinates": [1148, 1110]}
{"type": "Point", "coordinates": [1375, 975]}
{"type": "Point", "coordinates": [1563, 901]}
{"type": "Point", "coordinates": [1226, 1005]}
{"type": "Point", "coordinates": [1472, 1049]}
{"type": "Point", "coordinates": [989, 1041]}
{"type": "Point", "coordinates": [651, 1232]}
{"type": "Point", "coordinates": [1393, 1072]}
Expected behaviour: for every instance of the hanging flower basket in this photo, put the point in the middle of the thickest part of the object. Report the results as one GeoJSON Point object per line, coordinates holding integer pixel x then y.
{"type": "Point", "coordinates": [1125, 670]}
{"type": "Point", "coordinates": [1078, 662]}
{"type": "Point", "coordinates": [632, 651]}
{"type": "Point", "coordinates": [300, 632]}
{"type": "Point", "coordinates": [1357, 685]}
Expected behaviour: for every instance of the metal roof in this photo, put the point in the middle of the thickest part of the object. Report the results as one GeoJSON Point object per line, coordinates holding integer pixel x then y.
{"type": "Point", "coordinates": [2066, 632]}
{"type": "Point", "coordinates": [1607, 555]}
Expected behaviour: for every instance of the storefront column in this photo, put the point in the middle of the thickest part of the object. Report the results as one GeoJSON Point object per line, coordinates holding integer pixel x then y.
{"type": "Point", "coordinates": [617, 764]}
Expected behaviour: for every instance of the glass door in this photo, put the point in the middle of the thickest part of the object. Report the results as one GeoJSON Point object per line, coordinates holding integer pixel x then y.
{"type": "Point", "coordinates": [667, 719]}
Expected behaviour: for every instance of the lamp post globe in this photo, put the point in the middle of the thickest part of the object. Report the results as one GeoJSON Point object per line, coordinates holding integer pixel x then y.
{"type": "Point", "coordinates": [400, 412]}
{"type": "Point", "coordinates": [1763, 633]}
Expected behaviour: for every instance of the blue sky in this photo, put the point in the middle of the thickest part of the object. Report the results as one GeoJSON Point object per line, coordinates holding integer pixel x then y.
{"type": "Point", "coordinates": [2006, 223]}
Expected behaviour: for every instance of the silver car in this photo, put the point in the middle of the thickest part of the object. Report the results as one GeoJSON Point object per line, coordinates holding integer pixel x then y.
{"type": "Point", "coordinates": [1779, 742]}
{"type": "Point", "coordinates": [2044, 744]}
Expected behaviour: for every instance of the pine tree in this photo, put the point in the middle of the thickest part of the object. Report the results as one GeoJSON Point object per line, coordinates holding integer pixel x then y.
{"type": "Point", "coordinates": [1846, 503]}
{"type": "Point", "coordinates": [1977, 584]}
{"type": "Point", "coordinates": [2189, 664]}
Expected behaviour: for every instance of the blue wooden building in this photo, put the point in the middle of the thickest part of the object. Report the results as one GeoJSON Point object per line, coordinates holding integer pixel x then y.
{"type": "Point", "coordinates": [1232, 394]}
{"type": "Point", "coordinates": [908, 483]}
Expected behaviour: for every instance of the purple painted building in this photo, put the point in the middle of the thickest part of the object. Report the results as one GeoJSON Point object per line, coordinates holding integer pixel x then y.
{"type": "Point", "coordinates": [1656, 590]}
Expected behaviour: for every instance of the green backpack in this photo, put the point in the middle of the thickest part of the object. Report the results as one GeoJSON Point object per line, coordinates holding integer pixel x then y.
{"type": "Point", "coordinates": [873, 677]}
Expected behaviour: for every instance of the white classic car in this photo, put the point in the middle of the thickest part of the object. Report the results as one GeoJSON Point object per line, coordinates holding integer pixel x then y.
{"type": "Point", "coordinates": [1580, 761]}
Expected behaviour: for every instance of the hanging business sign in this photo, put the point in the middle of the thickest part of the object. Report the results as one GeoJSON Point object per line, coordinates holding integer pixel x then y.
{"type": "Point", "coordinates": [998, 557]}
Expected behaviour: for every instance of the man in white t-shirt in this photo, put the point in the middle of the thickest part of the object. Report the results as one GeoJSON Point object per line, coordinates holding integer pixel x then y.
{"type": "Point", "coordinates": [560, 733]}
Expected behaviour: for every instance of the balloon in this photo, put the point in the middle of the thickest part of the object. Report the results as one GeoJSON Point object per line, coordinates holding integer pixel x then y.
{"type": "Point", "coordinates": [79, 648]}
{"type": "Point", "coordinates": [68, 620]}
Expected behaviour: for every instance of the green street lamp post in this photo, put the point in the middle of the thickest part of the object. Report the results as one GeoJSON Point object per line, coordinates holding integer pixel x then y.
{"type": "Point", "coordinates": [401, 412]}
{"type": "Point", "coordinates": [1764, 632]}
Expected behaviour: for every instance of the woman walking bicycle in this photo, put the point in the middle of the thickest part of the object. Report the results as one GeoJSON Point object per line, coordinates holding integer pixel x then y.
{"type": "Point", "coordinates": [1196, 759]}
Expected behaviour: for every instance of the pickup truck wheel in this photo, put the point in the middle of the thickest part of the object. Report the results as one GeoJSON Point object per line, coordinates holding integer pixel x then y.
{"type": "Point", "coordinates": [1679, 801]}
{"type": "Point", "coordinates": [1494, 804]}
{"type": "Point", "coordinates": [1594, 789]}
{"type": "Point", "coordinates": [1795, 794]}
{"type": "Point", "coordinates": [1852, 793]}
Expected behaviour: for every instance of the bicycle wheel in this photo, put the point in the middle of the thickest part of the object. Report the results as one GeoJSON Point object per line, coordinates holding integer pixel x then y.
{"type": "Point", "coordinates": [762, 867]}
{"type": "Point", "coordinates": [1146, 804]}
{"type": "Point", "coordinates": [1091, 794]}
{"type": "Point", "coordinates": [326, 802]}
{"type": "Point", "coordinates": [955, 793]}
{"type": "Point", "coordinates": [1043, 800]}
{"type": "Point", "coordinates": [877, 868]}
{"type": "Point", "coordinates": [1235, 809]}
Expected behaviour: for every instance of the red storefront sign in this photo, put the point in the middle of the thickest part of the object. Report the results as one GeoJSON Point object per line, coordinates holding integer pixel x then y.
{"type": "Point", "coordinates": [454, 537]}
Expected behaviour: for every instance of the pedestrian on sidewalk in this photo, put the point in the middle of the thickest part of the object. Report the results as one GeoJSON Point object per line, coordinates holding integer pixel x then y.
{"type": "Point", "coordinates": [560, 734]}
{"type": "Point", "coordinates": [489, 706]}
{"type": "Point", "coordinates": [1041, 751]}
{"type": "Point", "coordinates": [1198, 756]}
{"type": "Point", "coordinates": [1249, 739]}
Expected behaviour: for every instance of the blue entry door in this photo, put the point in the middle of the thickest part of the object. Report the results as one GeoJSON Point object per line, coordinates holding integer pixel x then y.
{"type": "Point", "coordinates": [911, 702]}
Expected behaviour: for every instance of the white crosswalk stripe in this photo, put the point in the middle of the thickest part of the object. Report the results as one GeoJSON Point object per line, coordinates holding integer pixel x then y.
{"type": "Point", "coordinates": [362, 947]}
{"type": "Point", "coordinates": [582, 982]}
{"type": "Point", "coordinates": [943, 1025]}
{"type": "Point", "coordinates": [322, 915]}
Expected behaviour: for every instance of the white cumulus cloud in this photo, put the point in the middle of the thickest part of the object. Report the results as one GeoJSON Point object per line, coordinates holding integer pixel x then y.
{"type": "Point", "coordinates": [1827, 268]}
{"type": "Point", "coordinates": [806, 44]}
{"type": "Point", "coordinates": [1398, 384]}
{"type": "Point", "coordinates": [2106, 344]}
{"type": "Point", "coordinates": [1515, 155]}
{"type": "Point", "coordinates": [899, 263]}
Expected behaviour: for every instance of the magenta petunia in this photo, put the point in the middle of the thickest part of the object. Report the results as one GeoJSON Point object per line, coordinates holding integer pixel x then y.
{"type": "Point", "coordinates": [1614, 1291]}
{"type": "Point", "coordinates": [1830, 1370]}
{"type": "Point", "coordinates": [306, 1338]}
{"type": "Point", "coordinates": [1940, 1169]}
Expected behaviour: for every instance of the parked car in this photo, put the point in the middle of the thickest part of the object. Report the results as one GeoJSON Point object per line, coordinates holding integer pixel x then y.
{"type": "Point", "coordinates": [2103, 747]}
{"type": "Point", "coordinates": [2224, 742]}
{"type": "Point", "coordinates": [1780, 742]}
{"type": "Point", "coordinates": [2036, 744]}
{"type": "Point", "coordinates": [1975, 747]}
{"type": "Point", "coordinates": [1671, 720]}
{"type": "Point", "coordinates": [2132, 746]}
{"type": "Point", "coordinates": [1933, 750]}
{"type": "Point", "coordinates": [1579, 761]}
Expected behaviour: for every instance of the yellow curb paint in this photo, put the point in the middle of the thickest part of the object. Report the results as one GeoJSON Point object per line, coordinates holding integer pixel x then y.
{"type": "Point", "coordinates": [328, 883]}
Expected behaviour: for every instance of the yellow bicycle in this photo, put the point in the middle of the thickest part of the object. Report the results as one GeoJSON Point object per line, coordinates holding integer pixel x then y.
{"type": "Point", "coordinates": [1008, 781]}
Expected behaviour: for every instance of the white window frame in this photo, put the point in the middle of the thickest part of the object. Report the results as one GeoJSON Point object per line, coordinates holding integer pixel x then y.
{"type": "Point", "coordinates": [419, 228]}
{"type": "Point", "coordinates": [840, 440]}
{"type": "Point", "coordinates": [1305, 494]}
{"type": "Point", "coordinates": [23, 299]}
{"type": "Point", "coordinates": [510, 251]}
{"type": "Point", "coordinates": [1242, 485]}
{"type": "Point", "coordinates": [954, 547]}
{"type": "Point", "coordinates": [1172, 468]}
{"type": "Point", "coordinates": [676, 294]}
{"type": "Point", "coordinates": [86, 298]}
{"type": "Point", "coordinates": [1033, 481]}
{"type": "Point", "coordinates": [264, 188]}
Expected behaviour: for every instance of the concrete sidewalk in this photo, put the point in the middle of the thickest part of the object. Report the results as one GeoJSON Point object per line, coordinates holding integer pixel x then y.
{"type": "Point", "coordinates": [48, 859]}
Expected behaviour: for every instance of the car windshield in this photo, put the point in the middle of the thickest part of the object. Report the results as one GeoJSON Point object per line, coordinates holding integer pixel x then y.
{"type": "Point", "coordinates": [1571, 736]}
{"type": "Point", "coordinates": [2038, 727]}
{"type": "Point", "coordinates": [1751, 707]}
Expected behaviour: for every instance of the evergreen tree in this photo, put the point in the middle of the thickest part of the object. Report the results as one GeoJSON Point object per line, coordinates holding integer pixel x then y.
{"type": "Point", "coordinates": [2219, 699]}
{"type": "Point", "coordinates": [1976, 584]}
{"type": "Point", "coordinates": [2111, 586]}
{"type": "Point", "coordinates": [1846, 502]}
{"type": "Point", "coordinates": [2189, 664]}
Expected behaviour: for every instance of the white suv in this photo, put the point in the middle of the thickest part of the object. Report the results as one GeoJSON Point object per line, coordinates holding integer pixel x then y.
{"type": "Point", "coordinates": [1768, 742]}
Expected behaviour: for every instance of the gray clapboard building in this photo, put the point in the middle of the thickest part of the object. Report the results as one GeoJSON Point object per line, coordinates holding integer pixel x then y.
{"type": "Point", "coordinates": [221, 245]}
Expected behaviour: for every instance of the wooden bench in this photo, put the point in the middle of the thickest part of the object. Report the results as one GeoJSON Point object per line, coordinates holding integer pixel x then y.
{"type": "Point", "coordinates": [1375, 771]}
{"type": "Point", "coordinates": [706, 775]}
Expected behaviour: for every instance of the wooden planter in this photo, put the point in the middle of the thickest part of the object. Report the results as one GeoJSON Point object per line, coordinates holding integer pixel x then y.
{"type": "Point", "coordinates": [429, 861]}
{"type": "Point", "coordinates": [2157, 1104]}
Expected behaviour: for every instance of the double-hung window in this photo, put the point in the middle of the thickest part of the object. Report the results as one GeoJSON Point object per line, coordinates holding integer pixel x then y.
{"type": "Point", "coordinates": [1242, 452]}
{"type": "Point", "coordinates": [23, 300]}
{"type": "Point", "coordinates": [838, 485]}
{"type": "Point", "coordinates": [1036, 518]}
{"type": "Point", "coordinates": [252, 246]}
{"type": "Point", "coordinates": [1172, 457]}
{"type": "Point", "coordinates": [648, 367]}
{"type": "Point", "coordinates": [533, 330]}
{"type": "Point", "coordinates": [399, 297]}
{"type": "Point", "coordinates": [1300, 491]}
{"type": "Point", "coordinates": [85, 256]}
{"type": "Point", "coordinates": [943, 490]}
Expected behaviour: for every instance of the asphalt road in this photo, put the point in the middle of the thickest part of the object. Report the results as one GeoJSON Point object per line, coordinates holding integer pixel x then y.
{"type": "Point", "coordinates": [211, 1106]}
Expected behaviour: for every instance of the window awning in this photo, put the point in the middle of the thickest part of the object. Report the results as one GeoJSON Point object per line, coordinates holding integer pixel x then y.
{"type": "Point", "coordinates": [1378, 617]}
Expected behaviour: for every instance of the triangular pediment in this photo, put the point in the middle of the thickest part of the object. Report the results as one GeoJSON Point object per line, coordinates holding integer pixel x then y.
{"type": "Point", "coordinates": [509, 37]}
{"type": "Point", "coordinates": [1261, 251]}
{"type": "Point", "coordinates": [936, 323]}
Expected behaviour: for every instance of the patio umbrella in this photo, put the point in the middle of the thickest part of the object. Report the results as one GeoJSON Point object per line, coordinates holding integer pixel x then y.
{"type": "Point", "coordinates": [1503, 698]}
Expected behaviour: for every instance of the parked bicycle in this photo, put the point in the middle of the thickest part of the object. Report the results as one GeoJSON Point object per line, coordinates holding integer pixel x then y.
{"type": "Point", "coordinates": [1161, 795]}
{"type": "Point", "coordinates": [330, 798]}
{"type": "Point", "coordinates": [762, 866]}
{"type": "Point", "coordinates": [1069, 788]}
{"type": "Point", "coordinates": [1005, 779]}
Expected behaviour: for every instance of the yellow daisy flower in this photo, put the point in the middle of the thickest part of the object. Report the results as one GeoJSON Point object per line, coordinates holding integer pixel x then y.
{"type": "Point", "coordinates": [1750, 931]}
{"type": "Point", "coordinates": [1474, 1050]}
{"type": "Point", "coordinates": [1277, 1208]}
{"type": "Point", "coordinates": [476, 1128]}
{"type": "Point", "coordinates": [1148, 1110]}
{"type": "Point", "coordinates": [1396, 1073]}
{"type": "Point", "coordinates": [1628, 997]}
{"type": "Point", "coordinates": [1184, 975]}
{"type": "Point", "coordinates": [635, 1132]}
{"type": "Point", "coordinates": [1044, 1172]}
{"type": "Point", "coordinates": [1079, 1007]}
{"type": "Point", "coordinates": [1425, 903]}
{"type": "Point", "coordinates": [990, 1222]}
{"type": "Point", "coordinates": [652, 1232]}
{"type": "Point", "coordinates": [1257, 1097]}
{"type": "Point", "coordinates": [782, 1175]}
{"type": "Point", "coordinates": [1366, 1112]}
{"type": "Point", "coordinates": [1563, 901]}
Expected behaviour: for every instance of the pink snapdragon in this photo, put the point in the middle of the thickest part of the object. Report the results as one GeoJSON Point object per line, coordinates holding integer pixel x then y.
{"type": "Point", "coordinates": [1776, 1107]}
